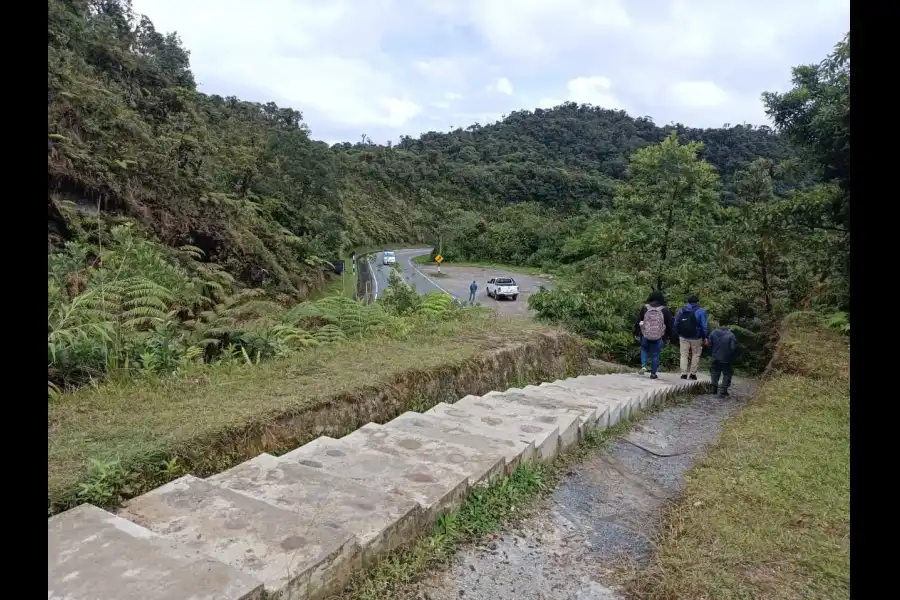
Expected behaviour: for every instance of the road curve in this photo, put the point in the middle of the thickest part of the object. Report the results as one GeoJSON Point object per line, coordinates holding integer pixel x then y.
{"type": "Point", "coordinates": [455, 280]}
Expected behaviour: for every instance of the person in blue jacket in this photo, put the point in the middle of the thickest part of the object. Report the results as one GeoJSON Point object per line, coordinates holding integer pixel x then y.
{"type": "Point", "coordinates": [472, 289]}
{"type": "Point", "coordinates": [692, 328]}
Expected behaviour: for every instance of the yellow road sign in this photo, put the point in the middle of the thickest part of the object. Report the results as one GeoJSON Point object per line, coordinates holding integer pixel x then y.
{"type": "Point", "coordinates": [438, 259]}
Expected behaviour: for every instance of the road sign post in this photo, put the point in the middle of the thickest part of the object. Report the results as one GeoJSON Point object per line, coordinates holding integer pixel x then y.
{"type": "Point", "coordinates": [439, 259]}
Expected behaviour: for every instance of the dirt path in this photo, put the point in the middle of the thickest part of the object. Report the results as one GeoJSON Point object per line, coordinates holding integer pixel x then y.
{"type": "Point", "coordinates": [601, 519]}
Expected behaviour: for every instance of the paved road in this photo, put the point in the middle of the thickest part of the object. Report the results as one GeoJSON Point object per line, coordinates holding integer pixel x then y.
{"type": "Point", "coordinates": [455, 281]}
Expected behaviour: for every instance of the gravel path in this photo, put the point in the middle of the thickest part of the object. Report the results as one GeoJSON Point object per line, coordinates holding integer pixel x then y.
{"type": "Point", "coordinates": [602, 516]}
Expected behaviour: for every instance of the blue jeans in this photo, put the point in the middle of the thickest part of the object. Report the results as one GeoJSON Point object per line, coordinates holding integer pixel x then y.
{"type": "Point", "coordinates": [654, 347]}
{"type": "Point", "coordinates": [471, 295]}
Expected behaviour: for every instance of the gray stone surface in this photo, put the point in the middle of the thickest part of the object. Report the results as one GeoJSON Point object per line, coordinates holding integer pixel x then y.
{"type": "Point", "coordinates": [436, 491]}
{"type": "Point", "coordinates": [291, 554]}
{"type": "Point", "coordinates": [95, 555]}
{"type": "Point", "coordinates": [482, 439]}
{"type": "Point", "coordinates": [589, 410]}
{"type": "Point", "coordinates": [480, 467]}
{"type": "Point", "coordinates": [381, 521]}
{"type": "Point", "coordinates": [567, 420]}
{"type": "Point", "coordinates": [541, 431]}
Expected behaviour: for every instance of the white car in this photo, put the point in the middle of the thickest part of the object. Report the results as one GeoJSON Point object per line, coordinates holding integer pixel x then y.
{"type": "Point", "coordinates": [502, 287]}
{"type": "Point", "coordinates": [388, 258]}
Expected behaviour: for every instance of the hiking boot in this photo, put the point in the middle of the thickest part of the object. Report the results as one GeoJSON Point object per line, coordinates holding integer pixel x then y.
{"type": "Point", "coordinates": [684, 375]}
{"type": "Point", "coordinates": [692, 377]}
{"type": "Point", "coordinates": [654, 376]}
{"type": "Point", "coordinates": [643, 369]}
{"type": "Point", "coordinates": [724, 394]}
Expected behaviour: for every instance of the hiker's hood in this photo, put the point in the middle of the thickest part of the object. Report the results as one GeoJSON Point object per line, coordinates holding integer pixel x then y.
{"type": "Point", "coordinates": [656, 303]}
{"type": "Point", "coordinates": [692, 305]}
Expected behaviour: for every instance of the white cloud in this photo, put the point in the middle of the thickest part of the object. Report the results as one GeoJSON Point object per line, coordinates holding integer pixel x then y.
{"type": "Point", "coordinates": [542, 28]}
{"type": "Point", "coordinates": [594, 90]}
{"type": "Point", "coordinates": [548, 103]}
{"type": "Point", "coordinates": [393, 67]}
{"type": "Point", "coordinates": [503, 86]}
{"type": "Point", "coordinates": [697, 94]}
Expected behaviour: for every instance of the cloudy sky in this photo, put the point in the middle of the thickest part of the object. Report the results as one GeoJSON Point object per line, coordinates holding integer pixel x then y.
{"type": "Point", "coordinates": [393, 67]}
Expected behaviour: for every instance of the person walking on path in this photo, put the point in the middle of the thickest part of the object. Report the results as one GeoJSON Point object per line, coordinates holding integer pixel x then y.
{"type": "Point", "coordinates": [692, 328]}
{"type": "Point", "coordinates": [723, 344]}
{"type": "Point", "coordinates": [653, 325]}
{"type": "Point", "coordinates": [472, 289]}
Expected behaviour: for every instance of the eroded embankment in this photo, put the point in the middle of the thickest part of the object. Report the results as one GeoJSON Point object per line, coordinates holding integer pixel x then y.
{"type": "Point", "coordinates": [543, 355]}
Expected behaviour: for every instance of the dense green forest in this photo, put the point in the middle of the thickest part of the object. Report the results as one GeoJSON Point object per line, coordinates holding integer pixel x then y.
{"type": "Point", "coordinates": [175, 204]}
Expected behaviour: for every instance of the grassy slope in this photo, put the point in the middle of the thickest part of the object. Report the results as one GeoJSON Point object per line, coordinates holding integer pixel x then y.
{"type": "Point", "coordinates": [132, 420]}
{"type": "Point", "coordinates": [767, 513]}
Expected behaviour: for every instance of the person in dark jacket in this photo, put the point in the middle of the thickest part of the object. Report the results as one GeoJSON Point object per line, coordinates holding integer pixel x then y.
{"type": "Point", "coordinates": [652, 326]}
{"type": "Point", "coordinates": [692, 329]}
{"type": "Point", "coordinates": [723, 344]}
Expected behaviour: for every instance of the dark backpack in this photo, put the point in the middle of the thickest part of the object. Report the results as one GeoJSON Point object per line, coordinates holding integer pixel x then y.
{"type": "Point", "coordinates": [686, 326]}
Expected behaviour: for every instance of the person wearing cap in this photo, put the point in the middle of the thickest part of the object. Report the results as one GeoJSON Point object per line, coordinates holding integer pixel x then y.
{"type": "Point", "coordinates": [692, 328]}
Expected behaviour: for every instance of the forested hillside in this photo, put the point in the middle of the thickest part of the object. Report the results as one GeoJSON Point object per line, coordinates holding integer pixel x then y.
{"type": "Point", "coordinates": [235, 194]}
{"type": "Point", "coordinates": [244, 182]}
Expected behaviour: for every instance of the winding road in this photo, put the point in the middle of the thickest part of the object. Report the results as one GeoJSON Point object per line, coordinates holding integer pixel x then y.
{"type": "Point", "coordinates": [455, 280]}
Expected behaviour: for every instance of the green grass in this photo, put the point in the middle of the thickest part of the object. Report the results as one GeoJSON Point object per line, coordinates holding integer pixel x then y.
{"type": "Point", "coordinates": [767, 513]}
{"type": "Point", "coordinates": [338, 285]}
{"type": "Point", "coordinates": [127, 424]}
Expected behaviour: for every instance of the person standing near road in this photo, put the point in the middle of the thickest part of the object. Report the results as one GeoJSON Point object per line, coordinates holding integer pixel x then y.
{"type": "Point", "coordinates": [472, 289]}
{"type": "Point", "coordinates": [653, 325]}
{"type": "Point", "coordinates": [692, 328]}
{"type": "Point", "coordinates": [723, 344]}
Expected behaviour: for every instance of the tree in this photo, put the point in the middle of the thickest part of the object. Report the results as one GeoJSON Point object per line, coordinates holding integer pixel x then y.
{"type": "Point", "coordinates": [753, 238]}
{"type": "Point", "coordinates": [815, 115]}
{"type": "Point", "coordinates": [665, 213]}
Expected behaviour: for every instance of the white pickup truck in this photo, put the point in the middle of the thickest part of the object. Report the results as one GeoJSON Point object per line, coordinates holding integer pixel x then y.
{"type": "Point", "coordinates": [502, 287]}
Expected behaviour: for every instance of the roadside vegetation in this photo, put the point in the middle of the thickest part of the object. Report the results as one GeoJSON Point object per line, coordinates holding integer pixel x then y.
{"type": "Point", "coordinates": [767, 513]}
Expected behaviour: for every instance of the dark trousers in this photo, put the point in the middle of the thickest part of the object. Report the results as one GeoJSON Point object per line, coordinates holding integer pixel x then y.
{"type": "Point", "coordinates": [717, 369]}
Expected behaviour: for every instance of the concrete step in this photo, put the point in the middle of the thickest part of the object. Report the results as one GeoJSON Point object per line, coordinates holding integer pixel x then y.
{"type": "Point", "coordinates": [649, 392]}
{"type": "Point", "coordinates": [589, 410]}
{"type": "Point", "coordinates": [298, 526]}
{"type": "Point", "coordinates": [567, 420]}
{"type": "Point", "coordinates": [95, 555]}
{"type": "Point", "coordinates": [611, 407]}
{"type": "Point", "coordinates": [381, 521]}
{"type": "Point", "coordinates": [480, 467]}
{"type": "Point", "coordinates": [437, 491]}
{"type": "Point", "coordinates": [482, 439]}
{"type": "Point", "coordinates": [292, 554]}
{"type": "Point", "coordinates": [542, 431]}
{"type": "Point", "coordinates": [626, 401]}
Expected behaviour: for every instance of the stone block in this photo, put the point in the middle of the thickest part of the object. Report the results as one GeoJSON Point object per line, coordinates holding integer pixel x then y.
{"type": "Point", "coordinates": [292, 554]}
{"type": "Point", "coordinates": [480, 467]}
{"type": "Point", "coordinates": [380, 520]}
{"type": "Point", "coordinates": [437, 491]}
{"type": "Point", "coordinates": [95, 555]}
